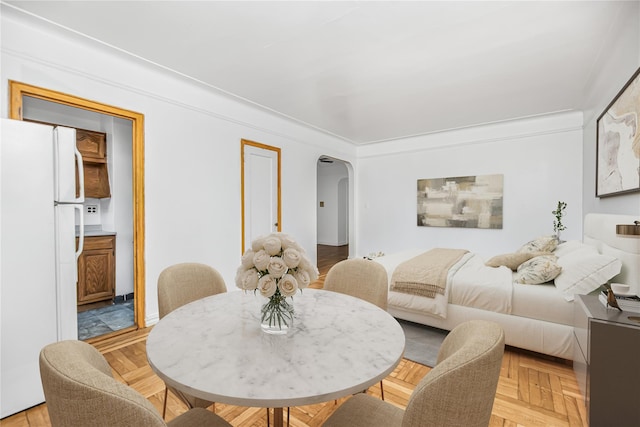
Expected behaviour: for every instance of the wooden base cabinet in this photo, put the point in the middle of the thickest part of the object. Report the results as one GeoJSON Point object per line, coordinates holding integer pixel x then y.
{"type": "Point", "coordinates": [607, 362]}
{"type": "Point", "coordinates": [96, 269]}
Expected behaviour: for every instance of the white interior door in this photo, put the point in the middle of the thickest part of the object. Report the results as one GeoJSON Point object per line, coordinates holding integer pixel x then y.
{"type": "Point", "coordinates": [261, 191]}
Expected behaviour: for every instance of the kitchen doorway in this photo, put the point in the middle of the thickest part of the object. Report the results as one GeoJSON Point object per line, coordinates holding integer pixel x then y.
{"type": "Point", "coordinates": [38, 104]}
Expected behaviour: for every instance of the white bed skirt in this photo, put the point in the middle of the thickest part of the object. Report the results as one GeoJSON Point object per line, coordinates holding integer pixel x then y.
{"type": "Point", "coordinates": [530, 334]}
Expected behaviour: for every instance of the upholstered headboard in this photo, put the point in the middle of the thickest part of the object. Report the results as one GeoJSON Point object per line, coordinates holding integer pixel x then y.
{"type": "Point", "coordinates": [600, 231]}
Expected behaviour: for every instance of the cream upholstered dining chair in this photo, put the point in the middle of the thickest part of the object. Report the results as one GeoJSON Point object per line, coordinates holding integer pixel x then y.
{"type": "Point", "coordinates": [458, 392]}
{"type": "Point", "coordinates": [362, 279]}
{"type": "Point", "coordinates": [80, 390]}
{"type": "Point", "coordinates": [181, 284]}
{"type": "Point", "coordinates": [359, 278]}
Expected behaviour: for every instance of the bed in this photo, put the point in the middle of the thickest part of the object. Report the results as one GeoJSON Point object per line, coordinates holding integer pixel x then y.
{"type": "Point", "coordinates": [535, 317]}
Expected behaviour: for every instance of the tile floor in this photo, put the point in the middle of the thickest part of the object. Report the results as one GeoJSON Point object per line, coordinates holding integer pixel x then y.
{"type": "Point", "coordinates": [100, 321]}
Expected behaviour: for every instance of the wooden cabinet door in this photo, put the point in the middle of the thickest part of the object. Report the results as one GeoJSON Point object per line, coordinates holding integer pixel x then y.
{"type": "Point", "coordinates": [96, 270]}
{"type": "Point", "coordinates": [96, 180]}
{"type": "Point", "coordinates": [93, 147]}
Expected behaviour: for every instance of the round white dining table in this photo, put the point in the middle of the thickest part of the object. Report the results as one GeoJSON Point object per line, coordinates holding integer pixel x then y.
{"type": "Point", "coordinates": [215, 349]}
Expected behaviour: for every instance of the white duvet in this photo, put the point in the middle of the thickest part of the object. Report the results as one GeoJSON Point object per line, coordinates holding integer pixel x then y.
{"type": "Point", "coordinates": [469, 282]}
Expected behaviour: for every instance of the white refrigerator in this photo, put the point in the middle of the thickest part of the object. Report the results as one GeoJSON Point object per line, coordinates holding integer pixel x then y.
{"type": "Point", "coordinates": [40, 211]}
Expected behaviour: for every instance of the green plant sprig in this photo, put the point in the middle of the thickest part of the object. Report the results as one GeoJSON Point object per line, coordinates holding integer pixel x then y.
{"type": "Point", "coordinates": [559, 213]}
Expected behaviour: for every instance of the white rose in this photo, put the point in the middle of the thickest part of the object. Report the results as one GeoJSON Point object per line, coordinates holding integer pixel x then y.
{"type": "Point", "coordinates": [291, 257]}
{"type": "Point", "coordinates": [288, 242]}
{"type": "Point", "coordinates": [277, 268]}
{"type": "Point", "coordinates": [313, 273]}
{"type": "Point", "coordinates": [267, 286]}
{"type": "Point", "coordinates": [258, 243]}
{"type": "Point", "coordinates": [302, 277]}
{"type": "Point", "coordinates": [311, 269]}
{"type": "Point", "coordinates": [261, 260]}
{"type": "Point", "coordinates": [272, 245]}
{"type": "Point", "coordinates": [239, 273]}
{"type": "Point", "coordinates": [287, 285]}
{"type": "Point", "coordinates": [247, 259]}
{"type": "Point", "coordinates": [248, 280]}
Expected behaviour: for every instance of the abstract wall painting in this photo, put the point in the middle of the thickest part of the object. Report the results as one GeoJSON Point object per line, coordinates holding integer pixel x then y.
{"type": "Point", "coordinates": [463, 201]}
{"type": "Point", "coordinates": [618, 143]}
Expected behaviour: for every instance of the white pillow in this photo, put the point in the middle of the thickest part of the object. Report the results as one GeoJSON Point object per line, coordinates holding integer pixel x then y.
{"type": "Point", "coordinates": [569, 246]}
{"type": "Point", "coordinates": [584, 270]}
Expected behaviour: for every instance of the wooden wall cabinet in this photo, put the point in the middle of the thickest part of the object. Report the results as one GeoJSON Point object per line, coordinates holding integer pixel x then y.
{"type": "Point", "coordinates": [607, 362]}
{"type": "Point", "coordinates": [96, 269]}
{"type": "Point", "coordinates": [93, 147]}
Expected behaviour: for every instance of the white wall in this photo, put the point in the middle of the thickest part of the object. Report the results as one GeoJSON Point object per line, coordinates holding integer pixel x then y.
{"type": "Point", "coordinates": [329, 216]}
{"type": "Point", "coordinates": [615, 67]}
{"type": "Point", "coordinates": [343, 211]}
{"type": "Point", "coordinates": [543, 160]}
{"type": "Point", "coordinates": [192, 146]}
{"type": "Point", "coordinates": [120, 204]}
{"type": "Point", "coordinates": [540, 158]}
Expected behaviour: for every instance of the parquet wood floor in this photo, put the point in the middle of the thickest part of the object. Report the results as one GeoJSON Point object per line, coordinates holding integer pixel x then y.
{"type": "Point", "coordinates": [533, 390]}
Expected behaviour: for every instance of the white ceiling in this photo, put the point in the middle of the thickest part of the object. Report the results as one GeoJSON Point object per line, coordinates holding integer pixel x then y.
{"type": "Point", "coordinates": [366, 71]}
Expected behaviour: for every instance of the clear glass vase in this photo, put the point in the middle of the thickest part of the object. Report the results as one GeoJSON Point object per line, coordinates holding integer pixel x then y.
{"type": "Point", "coordinates": [276, 315]}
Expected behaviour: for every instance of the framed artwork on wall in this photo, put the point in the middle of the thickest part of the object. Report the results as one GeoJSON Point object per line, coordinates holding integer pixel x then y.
{"type": "Point", "coordinates": [618, 143]}
{"type": "Point", "coordinates": [463, 201]}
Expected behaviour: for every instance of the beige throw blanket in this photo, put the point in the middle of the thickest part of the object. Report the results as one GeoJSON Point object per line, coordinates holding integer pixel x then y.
{"type": "Point", "coordinates": [426, 274]}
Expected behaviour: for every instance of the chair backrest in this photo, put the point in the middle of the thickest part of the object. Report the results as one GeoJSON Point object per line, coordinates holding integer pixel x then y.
{"type": "Point", "coordinates": [183, 283]}
{"type": "Point", "coordinates": [80, 391]}
{"type": "Point", "coordinates": [359, 278]}
{"type": "Point", "coordinates": [461, 388]}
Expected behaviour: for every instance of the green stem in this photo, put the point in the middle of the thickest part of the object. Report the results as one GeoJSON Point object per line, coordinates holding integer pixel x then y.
{"type": "Point", "coordinates": [277, 311]}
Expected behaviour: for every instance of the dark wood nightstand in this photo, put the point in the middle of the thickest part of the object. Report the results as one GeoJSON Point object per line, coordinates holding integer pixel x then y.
{"type": "Point", "coordinates": [607, 362]}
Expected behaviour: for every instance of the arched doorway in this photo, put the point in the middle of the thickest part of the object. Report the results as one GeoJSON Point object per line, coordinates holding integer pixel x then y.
{"type": "Point", "coordinates": [335, 219]}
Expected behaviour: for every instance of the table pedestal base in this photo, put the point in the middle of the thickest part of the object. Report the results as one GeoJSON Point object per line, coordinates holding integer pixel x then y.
{"type": "Point", "coordinates": [278, 418]}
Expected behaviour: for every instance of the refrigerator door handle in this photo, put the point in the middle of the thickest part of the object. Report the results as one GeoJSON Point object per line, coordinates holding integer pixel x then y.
{"type": "Point", "coordinates": [68, 164]}
{"type": "Point", "coordinates": [80, 209]}
{"type": "Point", "coordinates": [80, 177]}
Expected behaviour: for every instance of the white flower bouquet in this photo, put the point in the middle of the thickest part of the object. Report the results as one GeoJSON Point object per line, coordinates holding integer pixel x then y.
{"type": "Point", "coordinates": [277, 267]}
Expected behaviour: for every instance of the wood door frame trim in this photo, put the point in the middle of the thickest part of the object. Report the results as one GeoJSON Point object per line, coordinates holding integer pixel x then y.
{"type": "Point", "coordinates": [18, 90]}
{"type": "Point", "coordinates": [243, 143]}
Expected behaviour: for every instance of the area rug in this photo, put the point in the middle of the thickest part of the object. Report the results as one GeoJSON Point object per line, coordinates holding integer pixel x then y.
{"type": "Point", "coordinates": [422, 342]}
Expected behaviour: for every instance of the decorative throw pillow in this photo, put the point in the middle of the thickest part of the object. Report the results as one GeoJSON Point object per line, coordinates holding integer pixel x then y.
{"type": "Point", "coordinates": [513, 260]}
{"type": "Point", "coordinates": [584, 270]}
{"type": "Point", "coordinates": [541, 244]}
{"type": "Point", "coordinates": [540, 269]}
